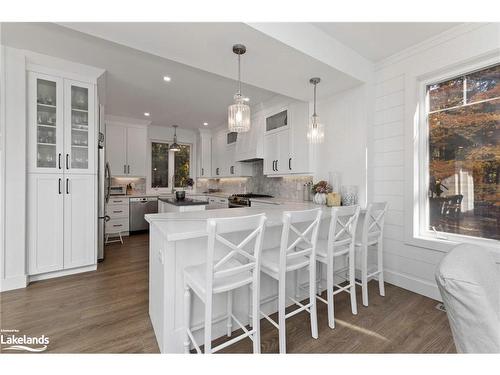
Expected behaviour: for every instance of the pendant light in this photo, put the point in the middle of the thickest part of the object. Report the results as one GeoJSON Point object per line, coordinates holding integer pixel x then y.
{"type": "Point", "coordinates": [175, 146]}
{"type": "Point", "coordinates": [315, 133]}
{"type": "Point", "coordinates": [238, 114]}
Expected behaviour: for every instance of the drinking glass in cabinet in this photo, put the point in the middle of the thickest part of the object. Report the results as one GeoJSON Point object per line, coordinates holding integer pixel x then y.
{"type": "Point", "coordinates": [46, 156]}
{"type": "Point", "coordinates": [79, 119]}
{"type": "Point", "coordinates": [79, 138]}
{"type": "Point", "coordinates": [46, 116]}
{"type": "Point", "coordinates": [79, 158]}
{"type": "Point", "coordinates": [46, 92]}
{"type": "Point", "coordinates": [79, 98]}
{"type": "Point", "coordinates": [46, 135]}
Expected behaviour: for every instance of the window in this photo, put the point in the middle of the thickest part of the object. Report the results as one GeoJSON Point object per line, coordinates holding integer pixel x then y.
{"type": "Point", "coordinates": [162, 158]}
{"type": "Point", "coordinates": [463, 120]}
{"type": "Point", "coordinates": [182, 166]}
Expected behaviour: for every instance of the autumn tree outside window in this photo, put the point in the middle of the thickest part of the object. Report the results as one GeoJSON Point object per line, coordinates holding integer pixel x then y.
{"type": "Point", "coordinates": [463, 117]}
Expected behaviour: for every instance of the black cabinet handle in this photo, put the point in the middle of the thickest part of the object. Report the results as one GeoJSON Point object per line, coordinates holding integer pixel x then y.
{"type": "Point", "coordinates": [276, 165]}
{"type": "Point", "coordinates": [290, 163]}
{"type": "Point", "coordinates": [59, 186]}
{"type": "Point", "coordinates": [59, 160]}
{"type": "Point", "coordinates": [273, 165]}
{"type": "Point", "coordinates": [124, 169]}
{"type": "Point", "coordinates": [67, 186]}
{"type": "Point", "coordinates": [128, 169]}
{"type": "Point", "coordinates": [202, 171]}
{"type": "Point", "coordinates": [67, 161]}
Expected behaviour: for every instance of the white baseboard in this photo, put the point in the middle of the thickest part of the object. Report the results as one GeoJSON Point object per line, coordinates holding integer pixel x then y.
{"type": "Point", "coordinates": [50, 275]}
{"type": "Point", "coordinates": [12, 283]}
{"type": "Point", "coordinates": [412, 283]}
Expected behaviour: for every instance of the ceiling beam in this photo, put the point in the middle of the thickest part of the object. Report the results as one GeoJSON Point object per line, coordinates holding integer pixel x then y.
{"type": "Point", "coordinates": [314, 42]}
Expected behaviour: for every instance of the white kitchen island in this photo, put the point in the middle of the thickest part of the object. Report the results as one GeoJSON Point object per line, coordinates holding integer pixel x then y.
{"type": "Point", "coordinates": [178, 240]}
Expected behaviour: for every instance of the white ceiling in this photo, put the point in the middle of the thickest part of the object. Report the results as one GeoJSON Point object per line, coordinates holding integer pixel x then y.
{"type": "Point", "coordinates": [268, 63]}
{"type": "Point", "coordinates": [378, 40]}
{"type": "Point", "coordinates": [134, 82]}
{"type": "Point", "coordinates": [199, 59]}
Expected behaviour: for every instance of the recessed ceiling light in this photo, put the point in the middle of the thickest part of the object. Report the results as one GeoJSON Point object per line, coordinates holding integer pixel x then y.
{"type": "Point", "coordinates": [246, 99]}
{"type": "Point", "coordinates": [167, 78]}
{"type": "Point", "coordinates": [205, 123]}
{"type": "Point", "coordinates": [146, 114]}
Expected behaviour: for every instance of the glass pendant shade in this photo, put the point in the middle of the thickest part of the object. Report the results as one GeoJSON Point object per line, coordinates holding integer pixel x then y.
{"type": "Point", "coordinates": [238, 116]}
{"type": "Point", "coordinates": [316, 131]}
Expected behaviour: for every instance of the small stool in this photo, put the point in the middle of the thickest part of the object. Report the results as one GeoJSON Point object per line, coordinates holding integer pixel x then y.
{"type": "Point", "coordinates": [117, 235]}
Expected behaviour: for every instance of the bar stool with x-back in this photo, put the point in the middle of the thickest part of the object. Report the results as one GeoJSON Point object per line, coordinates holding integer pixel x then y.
{"type": "Point", "coordinates": [239, 267]}
{"type": "Point", "coordinates": [286, 258]}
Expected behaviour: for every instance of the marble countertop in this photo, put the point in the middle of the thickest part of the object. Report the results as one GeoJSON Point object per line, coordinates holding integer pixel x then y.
{"type": "Point", "coordinates": [176, 226]}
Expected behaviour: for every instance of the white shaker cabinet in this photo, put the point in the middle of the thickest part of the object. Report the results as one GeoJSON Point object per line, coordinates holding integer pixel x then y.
{"type": "Point", "coordinates": [205, 154]}
{"type": "Point", "coordinates": [299, 162]}
{"type": "Point", "coordinates": [136, 151]}
{"type": "Point", "coordinates": [277, 159]}
{"type": "Point", "coordinates": [116, 149]}
{"type": "Point", "coordinates": [286, 150]}
{"type": "Point", "coordinates": [62, 220]}
{"type": "Point", "coordinates": [45, 223]}
{"type": "Point", "coordinates": [61, 179]}
{"type": "Point", "coordinates": [126, 149]}
{"type": "Point", "coordinates": [80, 221]}
{"type": "Point", "coordinates": [219, 159]}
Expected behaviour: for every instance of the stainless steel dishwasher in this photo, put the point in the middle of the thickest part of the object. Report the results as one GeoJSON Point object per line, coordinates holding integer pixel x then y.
{"type": "Point", "coordinates": [139, 207]}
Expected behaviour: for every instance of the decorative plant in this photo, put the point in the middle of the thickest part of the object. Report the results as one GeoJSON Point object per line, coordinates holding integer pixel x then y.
{"type": "Point", "coordinates": [190, 182]}
{"type": "Point", "coordinates": [321, 187]}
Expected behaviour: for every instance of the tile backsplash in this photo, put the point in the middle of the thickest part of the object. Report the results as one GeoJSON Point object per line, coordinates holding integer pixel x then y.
{"type": "Point", "coordinates": [289, 187]}
{"type": "Point", "coordinates": [138, 183]}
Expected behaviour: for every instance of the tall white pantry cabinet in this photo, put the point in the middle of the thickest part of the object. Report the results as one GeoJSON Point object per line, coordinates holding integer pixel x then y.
{"type": "Point", "coordinates": [62, 168]}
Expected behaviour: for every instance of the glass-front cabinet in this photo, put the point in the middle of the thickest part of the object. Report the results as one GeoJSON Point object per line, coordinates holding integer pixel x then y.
{"type": "Point", "coordinates": [79, 129]}
{"type": "Point", "coordinates": [46, 123]}
{"type": "Point", "coordinates": [61, 125]}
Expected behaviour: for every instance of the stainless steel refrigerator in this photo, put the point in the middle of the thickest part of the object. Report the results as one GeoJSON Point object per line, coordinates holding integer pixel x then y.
{"type": "Point", "coordinates": [104, 184]}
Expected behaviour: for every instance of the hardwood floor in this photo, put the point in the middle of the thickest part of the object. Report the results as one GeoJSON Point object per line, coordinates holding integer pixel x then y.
{"type": "Point", "coordinates": [107, 312]}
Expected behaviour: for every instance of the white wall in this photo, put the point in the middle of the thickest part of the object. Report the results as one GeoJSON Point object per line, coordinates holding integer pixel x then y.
{"type": "Point", "coordinates": [14, 249]}
{"type": "Point", "coordinates": [345, 117]}
{"type": "Point", "coordinates": [391, 145]}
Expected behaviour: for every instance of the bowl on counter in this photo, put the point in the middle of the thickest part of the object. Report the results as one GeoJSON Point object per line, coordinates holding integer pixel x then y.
{"type": "Point", "coordinates": [180, 195]}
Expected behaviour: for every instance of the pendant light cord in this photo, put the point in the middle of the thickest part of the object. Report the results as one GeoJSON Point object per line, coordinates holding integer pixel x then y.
{"type": "Point", "coordinates": [239, 74]}
{"type": "Point", "coordinates": [314, 114]}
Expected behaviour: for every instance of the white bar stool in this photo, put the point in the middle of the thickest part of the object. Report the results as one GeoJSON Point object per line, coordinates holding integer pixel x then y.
{"type": "Point", "coordinates": [340, 242]}
{"type": "Point", "coordinates": [239, 267]}
{"type": "Point", "coordinates": [372, 235]}
{"type": "Point", "coordinates": [277, 262]}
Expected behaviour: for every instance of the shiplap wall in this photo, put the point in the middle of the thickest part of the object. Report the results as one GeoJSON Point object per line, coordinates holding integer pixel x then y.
{"type": "Point", "coordinates": [409, 266]}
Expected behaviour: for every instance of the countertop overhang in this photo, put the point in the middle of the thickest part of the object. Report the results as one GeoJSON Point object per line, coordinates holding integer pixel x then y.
{"type": "Point", "coordinates": [183, 202]}
{"type": "Point", "coordinates": [176, 226]}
